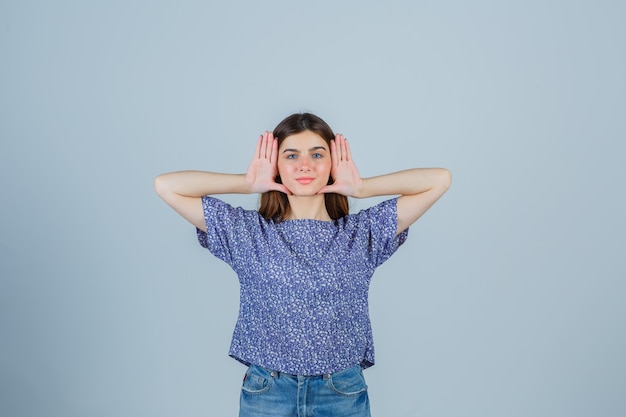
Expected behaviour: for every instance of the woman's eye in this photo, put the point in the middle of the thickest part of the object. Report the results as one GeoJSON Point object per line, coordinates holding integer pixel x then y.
{"type": "Point", "coordinates": [317, 155]}
{"type": "Point", "coordinates": [291, 156]}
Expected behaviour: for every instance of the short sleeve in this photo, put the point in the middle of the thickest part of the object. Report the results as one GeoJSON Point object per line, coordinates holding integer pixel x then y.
{"type": "Point", "coordinates": [381, 222]}
{"type": "Point", "coordinates": [227, 230]}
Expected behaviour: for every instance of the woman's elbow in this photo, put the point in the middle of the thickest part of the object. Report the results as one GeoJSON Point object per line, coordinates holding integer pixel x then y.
{"type": "Point", "coordinates": [161, 185]}
{"type": "Point", "coordinates": [444, 178]}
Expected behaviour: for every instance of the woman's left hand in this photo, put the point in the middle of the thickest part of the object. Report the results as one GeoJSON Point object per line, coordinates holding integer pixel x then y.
{"type": "Point", "coordinates": [346, 177]}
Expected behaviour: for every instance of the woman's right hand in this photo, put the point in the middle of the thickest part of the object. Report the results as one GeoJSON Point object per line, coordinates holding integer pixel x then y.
{"type": "Point", "coordinates": [262, 171]}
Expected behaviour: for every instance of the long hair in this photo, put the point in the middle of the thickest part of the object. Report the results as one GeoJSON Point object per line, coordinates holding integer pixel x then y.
{"type": "Point", "coordinates": [274, 204]}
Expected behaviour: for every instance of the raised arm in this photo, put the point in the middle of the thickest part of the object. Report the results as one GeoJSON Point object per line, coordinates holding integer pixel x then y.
{"type": "Point", "coordinates": [183, 190]}
{"type": "Point", "coordinates": [418, 188]}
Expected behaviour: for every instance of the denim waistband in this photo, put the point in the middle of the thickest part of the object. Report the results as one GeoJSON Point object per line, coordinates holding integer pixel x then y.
{"type": "Point", "coordinates": [279, 374]}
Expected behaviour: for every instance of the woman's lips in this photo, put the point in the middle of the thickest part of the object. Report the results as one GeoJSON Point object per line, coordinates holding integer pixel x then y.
{"type": "Point", "coordinates": [305, 180]}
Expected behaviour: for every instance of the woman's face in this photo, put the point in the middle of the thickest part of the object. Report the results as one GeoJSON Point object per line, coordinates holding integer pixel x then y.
{"type": "Point", "coordinates": [304, 163]}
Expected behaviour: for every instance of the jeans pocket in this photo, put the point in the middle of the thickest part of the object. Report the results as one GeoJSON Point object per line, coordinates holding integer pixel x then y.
{"type": "Point", "coordinates": [256, 381]}
{"type": "Point", "coordinates": [348, 382]}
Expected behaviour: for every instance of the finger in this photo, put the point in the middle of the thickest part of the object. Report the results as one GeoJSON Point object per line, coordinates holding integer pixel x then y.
{"type": "Point", "coordinates": [339, 140]}
{"type": "Point", "coordinates": [329, 189]}
{"type": "Point", "coordinates": [342, 147]}
{"type": "Point", "coordinates": [348, 154]}
{"type": "Point", "coordinates": [333, 152]}
{"type": "Point", "coordinates": [281, 188]}
{"type": "Point", "coordinates": [267, 147]}
{"type": "Point", "coordinates": [325, 189]}
{"type": "Point", "coordinates": [274, 152]}
{"type": "Point", "coordinates": [258, 147]}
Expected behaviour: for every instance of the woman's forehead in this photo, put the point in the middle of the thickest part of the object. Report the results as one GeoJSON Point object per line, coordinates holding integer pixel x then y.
{"type": "Point", "coordinates": [303, 140]}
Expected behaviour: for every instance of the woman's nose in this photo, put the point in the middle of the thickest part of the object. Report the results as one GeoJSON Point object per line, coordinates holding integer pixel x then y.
{"type": "Point", "coordinates": [305, 164]}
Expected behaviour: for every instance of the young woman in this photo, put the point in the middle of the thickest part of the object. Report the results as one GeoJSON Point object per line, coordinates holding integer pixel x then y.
{"type": "Point", "coordinates": [304, 262]}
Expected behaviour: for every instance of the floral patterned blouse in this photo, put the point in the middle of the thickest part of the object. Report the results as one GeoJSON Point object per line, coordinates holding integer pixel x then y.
{"type": "Point", "coordinates": [303, 284]}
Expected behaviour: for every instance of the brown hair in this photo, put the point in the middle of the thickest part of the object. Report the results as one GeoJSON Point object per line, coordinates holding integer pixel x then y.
{"type": "Point", "coordinates": [274, 204]}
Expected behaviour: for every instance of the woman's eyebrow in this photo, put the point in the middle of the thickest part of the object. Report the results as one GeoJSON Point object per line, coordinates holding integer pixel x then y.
{"type": "Point", "coordinates": [291, 150]}
{"type": "Point", "coordinates": [315, 148]}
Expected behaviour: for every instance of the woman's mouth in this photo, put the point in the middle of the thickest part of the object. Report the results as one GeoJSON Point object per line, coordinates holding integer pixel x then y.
{"type": "Point", "coordinates": [305, 180]}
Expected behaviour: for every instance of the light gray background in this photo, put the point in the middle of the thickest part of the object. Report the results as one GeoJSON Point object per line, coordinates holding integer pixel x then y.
{"type": "Point", "coordinates": [508, 297]}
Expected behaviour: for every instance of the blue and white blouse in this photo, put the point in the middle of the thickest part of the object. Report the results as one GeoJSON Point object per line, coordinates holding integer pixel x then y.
{"type": "Point", "coordinates": [303, 284]}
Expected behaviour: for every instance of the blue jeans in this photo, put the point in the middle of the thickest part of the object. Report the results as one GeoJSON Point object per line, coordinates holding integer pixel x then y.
{"type": "Point", "coordinates": [267, 393]}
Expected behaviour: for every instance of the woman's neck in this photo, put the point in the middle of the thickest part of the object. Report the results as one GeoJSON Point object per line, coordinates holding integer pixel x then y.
{"type": "Point", "coordinates": [308, 207]}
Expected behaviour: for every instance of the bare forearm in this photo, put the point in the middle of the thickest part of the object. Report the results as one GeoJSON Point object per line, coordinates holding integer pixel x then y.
{"type": "Point", "coordinates": [200, 183]}
{"type": "Point", "coordinates": [407, 182]}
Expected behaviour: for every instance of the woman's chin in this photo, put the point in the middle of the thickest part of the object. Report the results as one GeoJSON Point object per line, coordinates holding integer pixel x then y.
{"type": "Point", "coordinates": [299, 192]}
